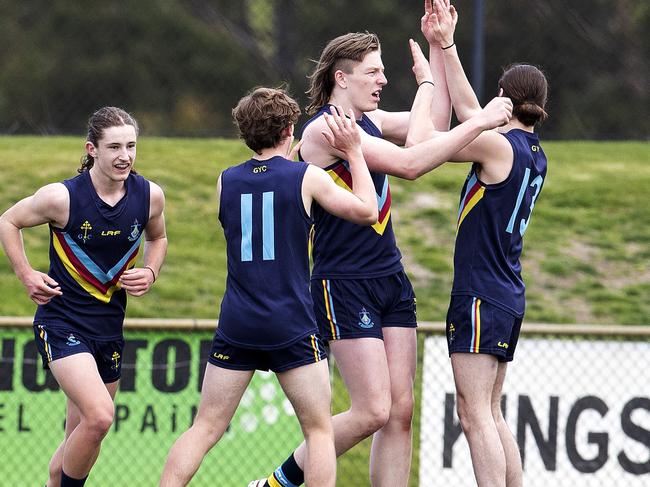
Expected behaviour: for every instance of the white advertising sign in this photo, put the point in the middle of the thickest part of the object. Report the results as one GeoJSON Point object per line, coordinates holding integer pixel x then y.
{"type": "Point", "coordinates": [580, 410]}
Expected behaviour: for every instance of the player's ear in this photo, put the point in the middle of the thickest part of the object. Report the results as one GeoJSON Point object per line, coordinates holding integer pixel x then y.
{"type": "Point", "coordinates": [90, 149]}
{"type": "Point", "coordinates": [288, 132]}
{"type": "Point", "coordinates": [340, 78]}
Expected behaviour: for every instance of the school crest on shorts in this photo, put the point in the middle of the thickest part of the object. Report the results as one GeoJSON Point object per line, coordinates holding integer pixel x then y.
{"type": "Point", "coordinates": [116, 360]}
{"type": "Point", "coordinates": [72, 341]}
{"type": "Point", "coordinates": [451, 332]}
{"type": "Point", "coordinates": [364, 319]}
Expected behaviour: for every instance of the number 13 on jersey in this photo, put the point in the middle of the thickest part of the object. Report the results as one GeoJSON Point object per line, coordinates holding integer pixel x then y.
{"type": "Point", "coordinates": [247, 224]}
{"type": "Point", "coordinates": [523, 224]}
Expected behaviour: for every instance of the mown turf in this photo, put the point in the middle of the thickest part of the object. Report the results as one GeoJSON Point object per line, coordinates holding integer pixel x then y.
{"type": "Point", "coordinates": [586, 257]}
{"type": "Point", "coordinates": [586, 252]}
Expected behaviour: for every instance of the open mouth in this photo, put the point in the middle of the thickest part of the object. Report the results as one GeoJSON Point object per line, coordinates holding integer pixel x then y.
{"type": "Point", "coordinates": [122, 166]}
{"type": "Point", "coordinates": [376, 96]}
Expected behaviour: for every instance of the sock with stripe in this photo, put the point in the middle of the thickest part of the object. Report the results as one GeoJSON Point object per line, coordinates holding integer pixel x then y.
{"type": "Point", "coordinates": [289, 474]}
{"type": "Point", "coordinates": [70, 482]}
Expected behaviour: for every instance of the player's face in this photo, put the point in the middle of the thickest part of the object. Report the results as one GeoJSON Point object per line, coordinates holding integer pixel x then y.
{"type": "Point", "coordinates": [366, 82]}
{"type": "Point", "coordinates": [115, 152]}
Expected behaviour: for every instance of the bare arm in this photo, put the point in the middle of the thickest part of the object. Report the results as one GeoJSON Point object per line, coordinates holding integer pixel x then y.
{"type": "Point", "coordinates": [359, 206]}
{"type": "Point", "coordinates": [138, 281]}
{"type": "Point", "coordinates": [412, 162]}
{"type": "Point", "coordinates": [463, 98]}
{"type": "Point", "coordinates": [393, 125]}
{"type": "Point", "coordinates": [441, 106]}
{"type": "Point", "coordinates": [421, 121]}
{"type": "Point", "coordinates": [50, 204]}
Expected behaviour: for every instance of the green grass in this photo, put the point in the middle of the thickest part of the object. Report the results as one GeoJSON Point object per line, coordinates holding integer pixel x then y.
{"type": "Point", "coordinates": [586, 253]}
{"type": "Point", "coordinates": [586, 256]}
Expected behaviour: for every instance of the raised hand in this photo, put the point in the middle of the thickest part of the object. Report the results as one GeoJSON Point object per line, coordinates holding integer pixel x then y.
{"type": "Point", "coordinates": [421, 68]}
{"type": "Point", "coordinates": [428, 22]}
{"type": "Point", "coordinates": [441, 23]}
{"type": "Point", "coordinates": [496, 113]}
{"type": "Point", "coordinates": [343, 134]}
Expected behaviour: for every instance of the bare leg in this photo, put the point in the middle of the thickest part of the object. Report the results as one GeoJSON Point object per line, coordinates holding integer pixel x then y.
{"type": "Point", "coordinates": [475, 376]}
{"type": "Point", "coordinates": [364, 368]}
{"type": "Point", "coordinates": [308, 389]}
{"type": "Point", "coordinates": [514, 474]}
{"type": "Point", "coordinates": [390, 457]}
{"type": "Point", "coordinates": [73, 416]}
{"type": "Point", "coordinates": [222, 390]}
{"type": "Point", "coordinates": [80, 381]}
{"type": "Point", "coordinates": [72, 419]}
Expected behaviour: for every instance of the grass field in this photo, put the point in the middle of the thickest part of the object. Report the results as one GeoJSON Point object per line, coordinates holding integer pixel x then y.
{"type": "Point", "coordinates": [586, 254]}
{"type": "Point", "coordinates": [586, 257]}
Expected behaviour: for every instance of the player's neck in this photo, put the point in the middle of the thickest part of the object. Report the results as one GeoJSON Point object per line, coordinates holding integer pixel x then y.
{"type": "Point", "coordinates": [107, 189]}
{"type": "Point", "coordinates": [346, 104]}
{"type": "Point", "coordinates": [514, 123]}
{"type": "Point", "coordinates": [270, 152]}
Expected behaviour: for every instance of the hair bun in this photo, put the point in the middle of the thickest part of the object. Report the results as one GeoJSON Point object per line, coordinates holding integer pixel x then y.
{"type": "Point", "coordinates": [529, 112]}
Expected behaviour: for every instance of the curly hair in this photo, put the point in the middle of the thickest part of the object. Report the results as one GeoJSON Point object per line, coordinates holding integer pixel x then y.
{"type": "Point", "coordinates": [262, 115]}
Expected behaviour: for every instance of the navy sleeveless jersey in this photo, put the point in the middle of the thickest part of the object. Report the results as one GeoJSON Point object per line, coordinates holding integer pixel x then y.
{"type": "Point", "coordinates": [492, 219]}
{"type": "Point", "coordinates": [344, 250]}
{"type": "Point", "coordinates": [267, 304]}
{"type": "Point", "coordinates": [88, 256]}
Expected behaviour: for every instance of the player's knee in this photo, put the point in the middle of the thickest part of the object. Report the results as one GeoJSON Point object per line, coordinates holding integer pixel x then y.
{"type": "Point", "coordinates": [375, 418]}
{"type": "Point", "coordinates": [319, 432]}
{"type": "Point", "coordinates": [473, 416]}
{"type": "Point", "coordinates": [401, 411]}
{"type": "Point", "coordinates": [497, 413]}
{"type": "Point", "coordinates": [466, 412]}
{"type": "Point", "coordinates": [208, 430]}
{"type": "Point", "coordinates": [99, 421]}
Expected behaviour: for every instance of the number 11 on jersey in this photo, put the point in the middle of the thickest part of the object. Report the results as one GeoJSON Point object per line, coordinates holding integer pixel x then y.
{"type": "Point", "coordinates": [268, 227]}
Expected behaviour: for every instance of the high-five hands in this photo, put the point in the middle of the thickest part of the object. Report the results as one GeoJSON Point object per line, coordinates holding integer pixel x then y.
{"type": "Point", "coordinates": [439, 22]}
{"type": "Point", "coordinates": [421, 68]}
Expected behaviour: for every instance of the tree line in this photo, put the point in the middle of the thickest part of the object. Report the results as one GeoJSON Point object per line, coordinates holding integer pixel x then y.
{"type": "Point", "coordinates": [181, 65]}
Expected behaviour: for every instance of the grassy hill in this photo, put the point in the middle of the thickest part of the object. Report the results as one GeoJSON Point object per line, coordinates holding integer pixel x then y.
{"type": "Point", "coordinates": [586, 256]}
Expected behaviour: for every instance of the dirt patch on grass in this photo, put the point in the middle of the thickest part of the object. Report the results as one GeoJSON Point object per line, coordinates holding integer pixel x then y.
{"type": "Point", "coordinates": [428, 200]}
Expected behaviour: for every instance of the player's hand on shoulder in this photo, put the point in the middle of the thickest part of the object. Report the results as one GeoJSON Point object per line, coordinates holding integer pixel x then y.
{"type": "Point", "coordinates": [314, 147]}
{"type": "Point", "coordinates": [41, 288]}
{"type": "Point", "coordinates": [342, 132]}
{"type": "Point", "coordinates": [137, 281]}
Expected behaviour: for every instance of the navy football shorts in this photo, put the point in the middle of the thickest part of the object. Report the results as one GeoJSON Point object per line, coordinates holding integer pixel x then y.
{"type": "Point", "coordinates": [308, 350]}
{"type": "Point", "coordinates": [358, 308]}
{"type": "Point", "coordinates": [55, 342]}
{"type": "Point", "coordinates": [476, 326]}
